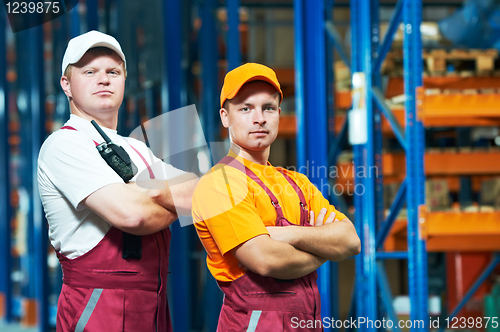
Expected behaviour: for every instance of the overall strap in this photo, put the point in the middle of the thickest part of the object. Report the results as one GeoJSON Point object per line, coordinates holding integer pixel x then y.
{"type": "Point", "coordinates": [230, 161]}
{"type": "Point", "coordinates": [299, 192]}
{"type": "Point", "coordinates": [151, 174]}
{"type": "Point", "coordinates": [304, 212]}
{"type": "Point", "coordinates": [71, 128]}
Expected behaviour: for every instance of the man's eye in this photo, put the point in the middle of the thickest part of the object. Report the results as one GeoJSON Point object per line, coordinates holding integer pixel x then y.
{"type": "Point", "coordinates": [270, 108]}
{"type": "Point", "coordinates": [89, 72]}
{"type": "Point", "coordinates": [245, 109]}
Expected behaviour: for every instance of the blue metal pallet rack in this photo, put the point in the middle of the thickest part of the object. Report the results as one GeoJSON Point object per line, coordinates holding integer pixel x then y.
{"type": "Point", "coordinates": [367, 57]}
{"type": "Point", "coordinates": [5, 210]}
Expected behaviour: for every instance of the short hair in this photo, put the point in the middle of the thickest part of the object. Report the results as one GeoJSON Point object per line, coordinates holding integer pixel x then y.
{"type": "Point", "coordinates": [96, 51]}
{"type": "Point", "coordinates": [225, 105]}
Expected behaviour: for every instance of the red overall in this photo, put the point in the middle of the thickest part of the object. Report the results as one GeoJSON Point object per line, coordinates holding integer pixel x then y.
{"type": "Point", "coordinates": [256, 303]}
{"type": "Point", "coordinates": [103, 292]}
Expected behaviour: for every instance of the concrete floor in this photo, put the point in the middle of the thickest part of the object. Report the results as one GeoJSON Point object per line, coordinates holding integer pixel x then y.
{"type": "Point", "coordinates": [14, 327]}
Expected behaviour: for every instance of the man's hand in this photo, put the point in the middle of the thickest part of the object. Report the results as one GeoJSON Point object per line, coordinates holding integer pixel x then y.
{"type": "Point", "coordinates": [288, 234]}
{"type": "Point", "coordinates": [176, 194]}
{"type": "Point", "coordinates": [321, 217]}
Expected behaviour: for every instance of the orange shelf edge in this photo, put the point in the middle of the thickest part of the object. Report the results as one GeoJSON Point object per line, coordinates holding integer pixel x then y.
{"type": "Point", "coordinates": [288, 123]}
{"type": "Point", "coordinates": [442, 164]}
{"type": "Point", "coordinates": [458, 109]}
{"type": "Point", "coordinates": [460, 231]}
{"type": "Point", "coordinates": [395, 85]}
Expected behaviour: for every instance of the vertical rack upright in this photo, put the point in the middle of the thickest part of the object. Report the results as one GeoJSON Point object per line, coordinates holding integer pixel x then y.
{"type": "Point", "coordinates": [367, 56]}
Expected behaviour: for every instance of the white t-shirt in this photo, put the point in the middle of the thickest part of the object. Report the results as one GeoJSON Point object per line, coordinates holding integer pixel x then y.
{"type": "Point", "coordinates": [69, 169]}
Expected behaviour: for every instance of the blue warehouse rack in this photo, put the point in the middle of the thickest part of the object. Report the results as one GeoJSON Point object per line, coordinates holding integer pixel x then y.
{"type": "Point", "coordinates": [174, 96]}
{"type": "Point", "coordinates": [314, 30]}
{"type": "Point", "coordinates": [367, 57]}
{"type": "Point", "coordinates": [5, 207]}
{"type": "Point", "coordinates": [311, 113]}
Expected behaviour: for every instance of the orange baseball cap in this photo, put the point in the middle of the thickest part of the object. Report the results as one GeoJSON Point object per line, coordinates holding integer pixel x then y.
{"type": "Point", "coordinates": [248, 72]}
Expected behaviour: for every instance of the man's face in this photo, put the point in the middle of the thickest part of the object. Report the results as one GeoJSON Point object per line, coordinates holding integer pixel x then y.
{"type": "Point", "coordinates": [97, 83]}
{"type": "Point", "coordinates": [253, 116]}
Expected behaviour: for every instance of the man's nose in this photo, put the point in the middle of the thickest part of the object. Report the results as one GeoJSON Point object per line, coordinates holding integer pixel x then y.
{"type": "Point", "coordinates": [103, 77]}
{"type": "Point", "coordinates": [259, 117]}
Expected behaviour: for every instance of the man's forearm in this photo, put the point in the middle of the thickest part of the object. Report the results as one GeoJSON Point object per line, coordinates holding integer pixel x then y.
{"type": "Point", "coordinates": [334, 241]}
{"type": "Point", "coordinates": [129, 209]}
{"type": "Point", "coordinates": [294, 263]}
{"type": "Point", "coordinates": [276, 259]}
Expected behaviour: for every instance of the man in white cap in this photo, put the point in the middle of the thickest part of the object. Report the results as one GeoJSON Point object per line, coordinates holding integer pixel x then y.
{"type": "Point", "coordinates": [111, 236]}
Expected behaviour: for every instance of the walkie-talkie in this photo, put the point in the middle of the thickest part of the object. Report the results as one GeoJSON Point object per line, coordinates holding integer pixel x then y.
{"type": "Point", "coordinates": [115, 156]}
{"type": "Point", "coordinates": [119, 160]}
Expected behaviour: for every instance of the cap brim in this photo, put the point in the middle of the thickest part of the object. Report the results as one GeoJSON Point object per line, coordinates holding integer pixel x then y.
{"type": "Point", "coordinates": [233, 93]}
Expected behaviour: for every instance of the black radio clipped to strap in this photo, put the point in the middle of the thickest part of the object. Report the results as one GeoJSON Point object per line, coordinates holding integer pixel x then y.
{"type": "Point", "coordinates": [115, 156]}
{"type": "Point", "coordinates": [119, 160]}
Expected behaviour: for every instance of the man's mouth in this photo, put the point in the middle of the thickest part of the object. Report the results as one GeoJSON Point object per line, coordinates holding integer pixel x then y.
{"type": "Point", "coordinates": [259, 133]}
{"type": "Point", "coordinates": [104, 93]}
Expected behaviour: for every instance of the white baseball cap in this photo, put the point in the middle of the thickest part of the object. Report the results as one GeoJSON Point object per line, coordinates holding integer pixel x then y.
{"type": "Point", "coordinates": [81, 44]}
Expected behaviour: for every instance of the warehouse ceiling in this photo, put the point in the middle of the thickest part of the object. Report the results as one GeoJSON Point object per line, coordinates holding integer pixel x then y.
{"type": "Point", "coordinates": [457, 3]}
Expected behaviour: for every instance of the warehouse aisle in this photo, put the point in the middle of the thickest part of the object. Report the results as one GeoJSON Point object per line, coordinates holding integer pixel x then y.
{"type": "Point", "coordinates": [4, 327]}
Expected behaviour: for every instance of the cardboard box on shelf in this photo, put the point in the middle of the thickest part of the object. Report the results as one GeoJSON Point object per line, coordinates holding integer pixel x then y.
{"type": "Point", "coordinates": [437, 195]}
{"type": "Point", "coordinates": [428, 30]}
{"type": "Point", "coordinates": [490, 193]}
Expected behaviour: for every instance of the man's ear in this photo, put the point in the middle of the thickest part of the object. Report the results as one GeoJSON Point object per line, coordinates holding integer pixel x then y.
{"type": "Point", "coordinates": [224, 117]}
{"type": "Point", "coordinates": [65, 85]}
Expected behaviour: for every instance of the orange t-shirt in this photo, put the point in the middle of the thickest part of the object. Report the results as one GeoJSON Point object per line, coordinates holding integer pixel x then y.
{"type": "Point", "coordinates": [230, 208]}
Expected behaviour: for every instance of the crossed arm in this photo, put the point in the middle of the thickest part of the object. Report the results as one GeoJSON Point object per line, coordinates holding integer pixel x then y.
{"type": "Point", "coordinates": [334, 241]}
{"type": "Point", "coordinates": [293, 251]}
{"type": "Point", "coordinates": [141, 211]}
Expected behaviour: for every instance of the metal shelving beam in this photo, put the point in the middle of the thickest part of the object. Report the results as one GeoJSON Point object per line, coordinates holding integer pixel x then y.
{"type": "Point", "coordinates": [40, 231]}
{"type": "Point", "coordinates": [386, 294]}
{"type": "Point", "coordinates": [310, 88]}
{"type": "Point", "coordinates": [395, 85]}
{"type": "Point", "coordinates": [209, 71]}
{"type": "Point", "coordinates": [396, 206]}
{"type": "Point", "coordinates": [393, 25]}
{"type": "Point", "coordinates": [208, 55]}
{"type": "Point", "coordinates": [74, 17]}
{"type": "Point", "coordinates": [478, 282]}
{"type": "Point", "coordinates": [458, 106]}
{"type": "Point", "coordinates": [25, 260]}
{"type": "Point", "coordinates": [415, 196]}
{"type": "Point", "coordinates": [92, 14]}
{"type": "Point", "coordinates": [334, 36]}
{"type": "Point", "coordinates": [459, 231]}
{"type": "Point", "coordinates": [233, 35]}
{"type": "Point", "coordinates": [337, 201]}
{"type": "Point", "coordinates": [368, 55]}
{"type": "Point", "coordinates": [367, 285]}
{"type": "Point", "coordinates": [5, 207]}
{"type": "Point", "coordinates": [357, 307]}
{"type": "Point", "coordinates": [174, 96]}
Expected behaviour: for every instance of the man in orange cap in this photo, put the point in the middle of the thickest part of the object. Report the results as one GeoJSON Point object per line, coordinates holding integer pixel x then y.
{"type": "Point", "coordinates": [266, 271]}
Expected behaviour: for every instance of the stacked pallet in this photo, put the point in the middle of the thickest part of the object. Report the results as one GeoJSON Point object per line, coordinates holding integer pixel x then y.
{"type": "Point", "coordinates": [440, 62]}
